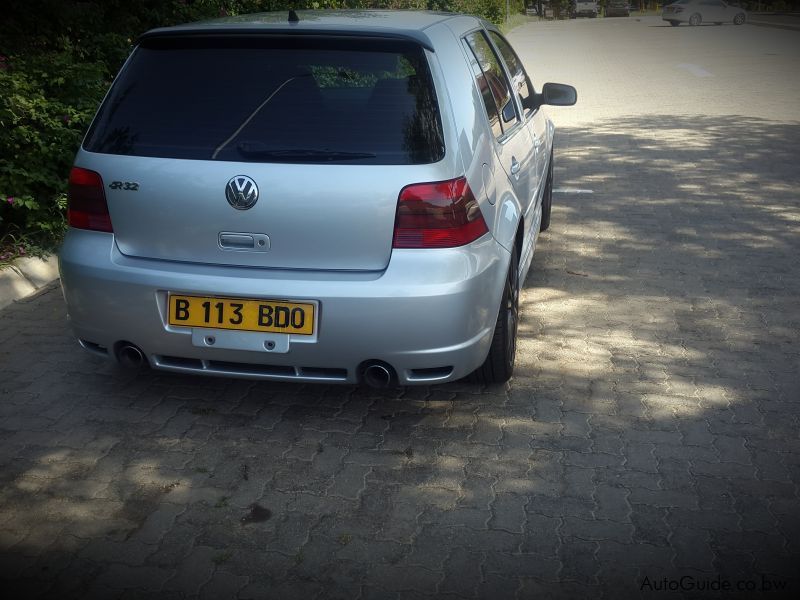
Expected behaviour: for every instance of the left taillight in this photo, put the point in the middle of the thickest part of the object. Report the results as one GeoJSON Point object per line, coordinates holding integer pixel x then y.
{"type": "Point", "coordinates": [86, 201]}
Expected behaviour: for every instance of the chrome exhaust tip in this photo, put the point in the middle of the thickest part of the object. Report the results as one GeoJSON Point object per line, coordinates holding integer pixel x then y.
{"type": "Point", "coordinates": [130, 356]}
{"type": "Point", "coordinates": [377, 374]}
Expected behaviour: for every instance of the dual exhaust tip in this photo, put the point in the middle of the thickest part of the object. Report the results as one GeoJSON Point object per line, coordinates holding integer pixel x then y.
{"type": "Point", "coordinates": [377, 374]}
{"type": "Point", "coordinates": [374, 373]}
{"type": "Point", "coordinates": [130, 356]}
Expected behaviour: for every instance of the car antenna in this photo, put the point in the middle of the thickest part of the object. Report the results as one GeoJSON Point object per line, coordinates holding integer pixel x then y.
{"type": "Point", "coordinates": [293, 18]}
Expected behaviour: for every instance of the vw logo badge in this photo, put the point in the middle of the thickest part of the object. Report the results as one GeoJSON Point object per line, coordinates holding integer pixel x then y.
{"type": "Point", "coordinates": [241, 192]}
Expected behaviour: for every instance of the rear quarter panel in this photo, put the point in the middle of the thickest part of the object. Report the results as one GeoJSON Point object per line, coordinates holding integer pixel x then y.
{"type": "Point", "coordinates": [471, 135]}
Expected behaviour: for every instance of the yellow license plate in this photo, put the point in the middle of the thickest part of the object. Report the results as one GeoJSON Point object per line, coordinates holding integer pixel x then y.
{"type": "Point", "coordinates": [268, 316]}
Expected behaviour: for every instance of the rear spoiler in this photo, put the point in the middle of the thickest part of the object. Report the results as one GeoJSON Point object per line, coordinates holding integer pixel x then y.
{"type": "Point", "coordinates": [318, 32]}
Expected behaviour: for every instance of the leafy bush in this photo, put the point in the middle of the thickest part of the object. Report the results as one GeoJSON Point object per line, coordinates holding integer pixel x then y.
{"type": "Point", "coordinates": [47, 102]}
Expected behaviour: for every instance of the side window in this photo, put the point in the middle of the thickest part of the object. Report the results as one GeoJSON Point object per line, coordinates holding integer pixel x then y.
{"type": "Point", "coordinates": [519, 79]}
{"type": "Point", "coordinates": [492, 83]}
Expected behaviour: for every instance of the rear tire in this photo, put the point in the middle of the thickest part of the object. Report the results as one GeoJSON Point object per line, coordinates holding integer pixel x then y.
{"type": "Point", "coordinates": [695, 20]}
{"type": "Point", "coordinates": [547, 198]}
{"type": "Point", "coordinates": [499, 364]}
{"type": "Point", "coordinates": [674, 23]}
{"type": "Point", "coordinates": [739, 19]}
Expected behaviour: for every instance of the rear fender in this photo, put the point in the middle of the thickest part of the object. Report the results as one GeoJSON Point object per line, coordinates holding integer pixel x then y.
{"type": "Point", "coordinates": [508, 216]}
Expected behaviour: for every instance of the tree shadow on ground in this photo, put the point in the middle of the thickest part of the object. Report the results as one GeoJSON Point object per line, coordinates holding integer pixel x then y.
{"type": "Point", "coordinates": [690, 236]}
{"type": "Point", "coordinates": [650, 429]}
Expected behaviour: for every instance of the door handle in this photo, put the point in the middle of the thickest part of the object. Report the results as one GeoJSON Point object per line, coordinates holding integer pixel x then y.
{"type": "Point", "coordinates": [515, 166]}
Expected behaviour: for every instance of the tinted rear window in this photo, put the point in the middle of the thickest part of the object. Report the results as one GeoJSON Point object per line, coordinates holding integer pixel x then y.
{"type": "Point", "coordinates": [273, 99]}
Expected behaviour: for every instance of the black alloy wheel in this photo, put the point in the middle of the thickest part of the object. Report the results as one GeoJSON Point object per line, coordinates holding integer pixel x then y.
{"type": "Point", "coordinates": [499, 364]}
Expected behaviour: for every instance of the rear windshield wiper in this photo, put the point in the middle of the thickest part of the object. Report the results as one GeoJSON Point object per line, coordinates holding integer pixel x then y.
{"type": "Point", "coordinates": [258, 150]}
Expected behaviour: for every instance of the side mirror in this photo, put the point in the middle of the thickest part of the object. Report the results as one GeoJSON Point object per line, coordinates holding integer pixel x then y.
{"type": "Point", "coordinates": [558, 94]}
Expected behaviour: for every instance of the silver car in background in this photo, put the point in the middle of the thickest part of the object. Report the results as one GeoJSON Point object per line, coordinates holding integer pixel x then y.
{"type": "Point", "coordinates": [585, 8]}
{"type": "Point", "coordinates": [337, 197]}
{"type": "Point", "coordinates": [696, 12]}
{"type": "Point", "coordinates": [617, 8]}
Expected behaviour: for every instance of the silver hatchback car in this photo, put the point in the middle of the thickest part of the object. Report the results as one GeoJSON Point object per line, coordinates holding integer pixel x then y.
{"type": "Point", "coordinates": [333, 197]}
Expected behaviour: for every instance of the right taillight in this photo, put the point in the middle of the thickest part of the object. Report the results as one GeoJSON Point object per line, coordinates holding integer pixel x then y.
{"type": "Point", "coordinates": [86, 201]}
{"type": "Point", "coordinates": [443, 214]}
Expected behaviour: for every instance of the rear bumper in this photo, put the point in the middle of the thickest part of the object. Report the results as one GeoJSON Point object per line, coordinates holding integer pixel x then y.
{"type": "Point", "coordinates": [430, 314]}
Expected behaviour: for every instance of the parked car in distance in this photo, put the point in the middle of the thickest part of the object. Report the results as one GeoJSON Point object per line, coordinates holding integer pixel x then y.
{"type": "Point", "coordinates": [336, 197]}
{"type": "Point", "coordinates": [617, 8]}
{"type": "Point", "coordinates": [696, 12]}
{"type": "Point", "coordinates": [586, 8]}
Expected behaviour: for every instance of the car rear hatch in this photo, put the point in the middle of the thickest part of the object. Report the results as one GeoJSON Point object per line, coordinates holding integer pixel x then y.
{"type": "Point", "coordinates": [327, 130]}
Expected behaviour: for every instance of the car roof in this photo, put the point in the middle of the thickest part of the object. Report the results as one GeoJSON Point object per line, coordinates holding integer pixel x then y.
{"type": "Point", "coordinates": [408, 24]}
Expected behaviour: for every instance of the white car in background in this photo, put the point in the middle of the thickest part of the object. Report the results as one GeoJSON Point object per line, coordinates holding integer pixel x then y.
{"type": "Point", "coordinates": [695, 12]}
{"type": "Point", "coordinates": [586, 8]}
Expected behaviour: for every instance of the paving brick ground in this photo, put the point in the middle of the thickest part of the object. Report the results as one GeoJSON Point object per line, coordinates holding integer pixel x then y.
{"type": "Point", "coordinates": [651, 432]}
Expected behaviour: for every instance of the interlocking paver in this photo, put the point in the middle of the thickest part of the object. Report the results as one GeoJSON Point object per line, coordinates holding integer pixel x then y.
{"type": "Point", "coordinates": [194, 571]}
{"type": "Point", "coordinates": [651, 428]}
{"type": "Point", "coordinates": [223, 585]}
{"type": "Point", "coordinates": [462, 573]}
